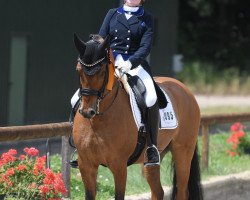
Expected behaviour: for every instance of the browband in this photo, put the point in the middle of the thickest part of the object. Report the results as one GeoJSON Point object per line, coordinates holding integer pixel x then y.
{"type": "Point", "coordinates": [90, 65]}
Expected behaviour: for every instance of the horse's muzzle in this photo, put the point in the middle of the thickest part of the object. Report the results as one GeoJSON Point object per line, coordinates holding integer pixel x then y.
{"type": "Point", "coordinates": [87, 113]}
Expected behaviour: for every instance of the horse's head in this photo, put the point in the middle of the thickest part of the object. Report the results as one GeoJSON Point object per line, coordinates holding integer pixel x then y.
{"type": "Point", "coordinates": [92, 67]}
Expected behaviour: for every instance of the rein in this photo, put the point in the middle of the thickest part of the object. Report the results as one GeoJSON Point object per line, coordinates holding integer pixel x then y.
{"type": "Point", "coordinates": [105, 110]}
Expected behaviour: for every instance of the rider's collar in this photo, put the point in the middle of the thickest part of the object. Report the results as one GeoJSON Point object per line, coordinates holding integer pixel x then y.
{"type": "Point", "coordinates": [137, 11]}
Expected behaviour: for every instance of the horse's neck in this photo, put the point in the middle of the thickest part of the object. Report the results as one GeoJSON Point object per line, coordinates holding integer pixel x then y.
{"type": "Point", "coordinates": [116, 102]}
{"type": "Point", "coordinates": [116, 124]}
{"type": "Point", "coordinates": [110, 96]}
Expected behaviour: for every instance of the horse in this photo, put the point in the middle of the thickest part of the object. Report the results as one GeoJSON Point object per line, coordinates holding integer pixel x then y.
{"type": "Point", "coordinates": [105, 133]}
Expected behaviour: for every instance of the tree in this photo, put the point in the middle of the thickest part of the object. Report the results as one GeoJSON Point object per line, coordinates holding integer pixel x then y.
{"type": "Point", "coordinates": [215, 31]}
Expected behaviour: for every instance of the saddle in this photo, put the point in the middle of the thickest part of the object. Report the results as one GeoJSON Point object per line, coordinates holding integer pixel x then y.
{"type": "Point", "coordinates": [139, 90]}
{"type": "Point", "coordinates": [162, 101]}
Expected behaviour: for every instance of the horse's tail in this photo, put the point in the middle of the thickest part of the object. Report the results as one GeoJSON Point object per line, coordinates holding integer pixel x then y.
{"type": "Point", "coordinates": [194, 184]}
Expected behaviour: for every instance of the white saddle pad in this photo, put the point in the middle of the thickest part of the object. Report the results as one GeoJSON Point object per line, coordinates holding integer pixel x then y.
{"type": "Point", "coordinates": [168, 118]}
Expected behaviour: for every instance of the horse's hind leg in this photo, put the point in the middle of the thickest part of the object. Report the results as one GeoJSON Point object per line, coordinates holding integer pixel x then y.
{"type": "Point", "coordinates": [152, 174]}
{"type": "Point", "coordinates": [182, 157]}
{"type": "Point", "coordinates": [89, 175]}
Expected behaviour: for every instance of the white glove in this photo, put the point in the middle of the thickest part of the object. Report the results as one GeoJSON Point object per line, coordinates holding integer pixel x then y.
{"type": "Point", "coordinates": [118, 60]}
{"type": "Point", "coordinates": [124, 66]}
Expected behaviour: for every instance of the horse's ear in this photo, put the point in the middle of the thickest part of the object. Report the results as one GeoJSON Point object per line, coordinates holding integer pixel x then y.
{"type": "Point", "coordinates": [79, 44]}
{"type": "Point", "coordinates": [105, 43]}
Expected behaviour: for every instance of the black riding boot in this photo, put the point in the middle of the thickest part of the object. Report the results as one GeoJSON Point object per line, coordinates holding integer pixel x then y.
{"type": "Point", "coordinates": [152, 156]}
{"type": "Point", "coordinates": [73, 163]}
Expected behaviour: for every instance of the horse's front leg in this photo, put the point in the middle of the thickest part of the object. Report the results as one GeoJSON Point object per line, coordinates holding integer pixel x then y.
{"type": "Point", "coordinates": [89, 175]}
{"type": "Point", "coordinates": [152, 174]}
{"type": "Point", "coordinates": [119, 170]}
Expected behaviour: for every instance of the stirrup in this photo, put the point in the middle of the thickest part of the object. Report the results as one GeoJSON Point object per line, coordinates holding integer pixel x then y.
{"type": "Point", "coordinates": [152, 163]}
{"type": "Point", "coordinates": [73, 162]}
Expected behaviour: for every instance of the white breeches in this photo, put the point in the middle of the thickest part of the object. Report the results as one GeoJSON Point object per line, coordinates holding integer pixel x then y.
{"type": "Point", "coordinates": [75, 98]}
{"type": "Point", "coordinates": [150, 95]}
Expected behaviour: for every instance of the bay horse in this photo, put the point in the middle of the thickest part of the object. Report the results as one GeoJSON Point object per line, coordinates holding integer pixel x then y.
{"type": "Point", "coordinates": [105, 133]}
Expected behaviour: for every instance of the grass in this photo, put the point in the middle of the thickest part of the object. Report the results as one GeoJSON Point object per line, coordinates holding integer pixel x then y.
{"type": "Point", "coordinates": [219, 161]}
{"type": "Point", "coordinates": [219, 164]}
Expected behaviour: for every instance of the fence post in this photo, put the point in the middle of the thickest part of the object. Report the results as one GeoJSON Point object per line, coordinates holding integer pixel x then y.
{"type": "Point", "coordinates": [205, 146]}
{"type": "Point", "coordinates": [65, 152]}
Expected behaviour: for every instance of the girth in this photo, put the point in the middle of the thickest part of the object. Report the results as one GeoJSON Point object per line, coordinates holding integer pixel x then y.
{"type": "Point", "coordinates": [141, 141]}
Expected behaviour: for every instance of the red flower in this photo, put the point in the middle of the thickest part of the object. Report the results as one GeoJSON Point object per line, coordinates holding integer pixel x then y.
{"type": "Point", "coordinates": [232, 153]}
{"type": "Point", "coordinates": [237, 132]}
{"type": "Point", "coordinates": [30, 173]}
{"type": "Point", "coordinates": [49, 177]}
{"type": "Point", "coordinates": [22, 157]}
{"type": "Point", "coordinates": [59, 186]}
{"type": "Point", "coordinates": [10, 172]}
{"type": "Point", "coordinates": [39, 165]}
{"type": "Point", "coordinates": [41, 159]}
{"type": "Point", "coordinates": [237, 127]}
{"type": "Point", "coordinates": [44, 189]}
{"type": "Point", "coordinates": [31, 151]}
{"type": "Point", "coordinates": [12, 152]}
{"type": "Point", "coordinates": [10, 183]}
{"type": "Point", "coordinates": [240, 134]}
{"type": "Point", "coordinates": [21, 167]}
{"type": "Point", "coordinates": [233, 138]}
{"type": "Point", "coordinates": [35, 172]}
{"type": "Point", "coordinates": [6, 158]}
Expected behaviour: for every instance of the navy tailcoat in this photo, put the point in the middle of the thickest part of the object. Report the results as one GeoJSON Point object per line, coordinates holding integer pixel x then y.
{"type": "Point", "coordinates": [132, 38]}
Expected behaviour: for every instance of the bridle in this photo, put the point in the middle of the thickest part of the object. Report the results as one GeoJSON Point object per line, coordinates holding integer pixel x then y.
{"type": "Point", "coordinates": [91, 69]}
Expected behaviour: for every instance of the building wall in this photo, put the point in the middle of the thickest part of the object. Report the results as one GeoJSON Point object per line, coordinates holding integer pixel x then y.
{"type": "Point", "coordinates": [49, 27]}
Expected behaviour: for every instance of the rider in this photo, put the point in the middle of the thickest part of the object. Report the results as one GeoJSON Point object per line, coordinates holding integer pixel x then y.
{"type": "Point", "coordinates": [130, 29]}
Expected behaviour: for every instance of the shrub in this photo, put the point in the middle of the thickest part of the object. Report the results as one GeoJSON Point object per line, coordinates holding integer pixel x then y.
{"type": "Point", "coordinates": [25, 176]}
{"type": "Point", "coordinates": [238, 140]}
